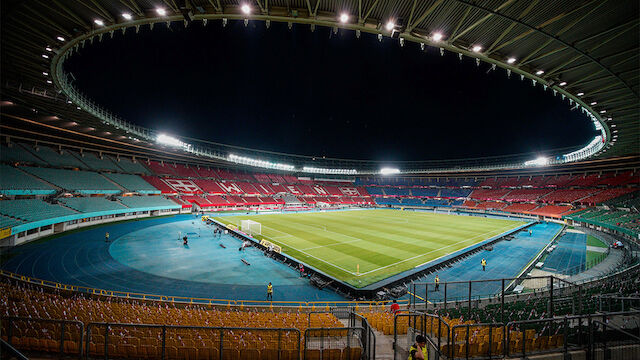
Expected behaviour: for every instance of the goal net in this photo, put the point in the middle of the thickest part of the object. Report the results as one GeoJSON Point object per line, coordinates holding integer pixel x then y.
{"type": "Point", "coordinates": [251, 227]}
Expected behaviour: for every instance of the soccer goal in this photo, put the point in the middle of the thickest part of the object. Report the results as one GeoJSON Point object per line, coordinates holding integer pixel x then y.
{"type": "Point", "coordinates": [251, 227]}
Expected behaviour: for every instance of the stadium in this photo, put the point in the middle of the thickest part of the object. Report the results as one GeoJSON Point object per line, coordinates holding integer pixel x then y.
{"type": "Point", "coordinates": [128, 238]}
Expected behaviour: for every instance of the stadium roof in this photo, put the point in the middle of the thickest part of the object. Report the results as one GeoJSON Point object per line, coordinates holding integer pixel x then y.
{"type": "Point", "coordinates": [586, 51]}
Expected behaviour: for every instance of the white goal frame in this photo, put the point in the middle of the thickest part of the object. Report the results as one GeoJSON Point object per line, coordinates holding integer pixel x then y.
{"type": "Point", "coordinates": [251, 227]}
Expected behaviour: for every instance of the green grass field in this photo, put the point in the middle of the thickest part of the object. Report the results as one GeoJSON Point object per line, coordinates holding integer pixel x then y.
{"type": "Point", "coordinates": [382, 242]}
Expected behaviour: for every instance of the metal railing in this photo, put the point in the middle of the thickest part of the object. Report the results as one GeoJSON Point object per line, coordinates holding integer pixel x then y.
{"type": "Point", "coordinates": [335, 343]}
{"type": "Point", "coordinates": [44, 334]}
{"type": "Point", "coordinates": [610, 342]}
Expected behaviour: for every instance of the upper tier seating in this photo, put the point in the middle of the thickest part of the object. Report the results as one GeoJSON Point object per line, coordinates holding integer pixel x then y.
{"type": "Point", "coordinates": [333, 190]}
{"type": "Point", "coordinates": [279, 188]}
{"type": "Point", "coordinates": [625, 178]}
{"type": "Point", "coordinates": [33, 209]}
{"type": "Point", "coordinates": [209, 186]}
{"type": "Point", "coordinates": [159, 184]}
{"type": "Point", "coordinates": [91, 204]}
{"type": "Point", "coordinates": [236, 200]}
{"type": "Point", "coordinates": [629, 200]}
{"type": "Point", "coordinates": [584, 181]}
{"type": "Point", "coordinates": [7, 222]}
{"type": "Point", "coordinates": [184, 171]}
{"type": "Point", "coordinates": [306, 190]}
{"type": "Point", "coordinates": [605, 195]}
{"type": "Point", "coordinates": [394, 191]}
{"type": "Point", "coordinates": [526, 194]}
{"type": "Point", "coordinates": [95, 163]}
{"type": "Point", "coordinates": [207, 172]}
{"type": "Point", "coordinates": [15, 181]}
{"type": "Point", "coordinates": [16, 153]}
{"type": "Point", "coordinates": [425, 192]}
{"type": "Point", "coordinates": [483, 194]}
{"type": "Point", "coordinates": [217, 200]}
{"type": "Point", "coordinates": [262, 178]}
{"type": "Point", "coordinates": [162, 168]}
{"type": "Point", "coordinates": [455, 193]}
{"type": "Point", "coordinates": [85, 182]}
{"type": "Point", "coordinates": [248, 189]}
{"type": "Point", "coordinates": [55, 158]}
{"type": "Point", "coordinates": [559, 181]}
{"type": "Point", "coordinates": [132, 183]}
{"type": "Point", "coordinates": [374, 190]}
{"type": "Point", "coordinates": [568, 195]}
{"type": "Point", "coordinates": [127, 165]}
{"type": "Point", "coordinates": [146, 201]}
{"type": "Point", "coordinates": [491, 205]}
{"type": "Point", "coordinates": [264, 188]}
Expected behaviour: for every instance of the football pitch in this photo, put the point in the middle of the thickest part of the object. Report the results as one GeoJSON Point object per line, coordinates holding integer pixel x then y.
{"type": "Point", "coordinates": [361, 247]}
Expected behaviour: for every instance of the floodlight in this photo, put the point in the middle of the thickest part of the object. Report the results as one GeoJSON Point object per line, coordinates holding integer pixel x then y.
{"type": "Point", "coordinates": [344, 17]}
{"type": "Point", "coordinates": [437, 36]}
{"type": "Point", "coordinates": [161, 11]}
{"type": "Point", "coordinates": [60, 38]}
{"type": "Point", "coordinates": [540, 161]}
{"type": "Point", "coordinates": [539, 72]}
{"type": "Point", "coordinates": [593, 103]}
{"type": "Point", "coordinates": [563, 83]}
{"type": "Point", "coordinates": [389, 171]}
{"type": "Point", "coordinates": [603, 111]}
{"type": "Point", "coordinates": [45, 73]}
{"type": "Point", "coordinates": [168, 140]}
{"type": "Point", "coordinates": [511, 60]}
{"type": "Point", "coordinates": [580, 94]}
{"type": "Point", "coordinates": [390, 25]}
{"type": "Point", "coordinates": [45, 56]}
{"type": "Point", "coordinates": [127, 16]}
{"type": "Point", "coordinates": [246, 9]}
{"type": "Point", "coordinates": [48, 49]}
{"type": "Point", "coordinates": [99, 22]}
{"type": "Point", "coordinates": [49, 82]}
{"type": "Point", "coordinates": [477, 48]}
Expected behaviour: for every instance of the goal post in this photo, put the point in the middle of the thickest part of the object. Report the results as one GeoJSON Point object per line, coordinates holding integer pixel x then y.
{"type": "Point", "coordinates": [251, 227]}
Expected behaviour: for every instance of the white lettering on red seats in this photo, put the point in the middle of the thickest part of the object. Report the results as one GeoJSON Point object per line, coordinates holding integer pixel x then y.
{"type": "Point", "coordinates": [350, 191]}
{"type": "Point", "coordinates": [264, 189]}
{"type": "Point", "coordinates": [230, 188]}
{"type": "Point", "coordinates": [292, 189]}
{"type": "Point", "coordinates": [183, 186]}
{"type": "Point", "coordinates": [320, 190]}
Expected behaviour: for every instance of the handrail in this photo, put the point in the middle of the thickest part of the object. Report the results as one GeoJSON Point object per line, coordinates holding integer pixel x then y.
{"type": "Point", "coordinates": [185, 299]}
{"type": "Point", "coordinates": [62, 322]}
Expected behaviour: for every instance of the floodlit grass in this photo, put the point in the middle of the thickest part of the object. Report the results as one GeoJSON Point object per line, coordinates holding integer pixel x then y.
{"type": "Point", "coordinates": [594, 257]}
{"type": "Point", "coordinates": [382, 242]}
{"type": "Point", "coordinates": [594, 241]}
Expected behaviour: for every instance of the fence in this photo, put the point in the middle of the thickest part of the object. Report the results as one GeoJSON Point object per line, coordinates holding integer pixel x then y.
{"type": "Point", "coordinates": [367, 338]}
{"type": "Point", "coordinates": [52, 336]}
{"type": "Point", "coordinates": [602, 336]}
{"type": "Point", "coordinates": [611, 303]}
{"type": "Point", "coordinates": [494, 300]}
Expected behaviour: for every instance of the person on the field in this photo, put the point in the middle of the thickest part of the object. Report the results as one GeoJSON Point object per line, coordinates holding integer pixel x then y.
{"type": "Point", "coordinates": [484, 264]}
{"type": "Point", "coordinates": [270, 292]}
{"type": "Point", "coordinates": [437, 282]}
{"type": "Point", "coordinates": [419, 349]}
{"type": "Point", "coordinates": [185, 240]}
{"type": "Point", "coordinates": [106, 237]}
{"type": "Point", "coordinates": [394, 308]}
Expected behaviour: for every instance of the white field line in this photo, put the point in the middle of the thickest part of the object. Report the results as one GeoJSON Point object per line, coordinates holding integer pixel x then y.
{"type": "Point", "coordinates": [306, 253]}
{"type": "Point", "coordinates": [428, 252]}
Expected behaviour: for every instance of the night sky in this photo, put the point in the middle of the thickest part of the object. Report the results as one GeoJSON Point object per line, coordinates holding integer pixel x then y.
{"type": "Point", "coordinates": [309, 93]}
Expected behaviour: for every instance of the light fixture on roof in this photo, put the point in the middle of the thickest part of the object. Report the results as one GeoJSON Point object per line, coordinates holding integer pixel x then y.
{"type": "Point", "coordinates": [540, 161]}
{"type": "Point", "coordinates": [563, 83]}
{"type": "Point", "coordinates": [48, 49]}
{"type": "Point", "coordinates": [78, 107]}
{"type": "Point", "coordinates": [246, 9]}
{"type": "Point", "coordinates": [539, 72]}
{"type": "Point", "coordinates": [477, 48]}
{"type": "Point", "coordinates": [511, 60]}
{"type": "Point", "coordinates": [45, 56]}
{"type": "Point", "coordinates": [49, 82]}
{"type": "Point", "coordinates": [603, 111]}
{"type": "Point", "coordinates": [390, 25]}
{"type": "Point", "coordinates": [69, 102]}
{"type": "Point", "coordinates": [127, 16]}
{"type": "Point", "coordinates": [45, 73]}
{"type": "Point", "coordinates": [344, 17]}
{"type": "Point", "coordinates": [161, 11]}
{"type": "Point", "coordinates": [593, 103]}
{"type": "Point", "coordinates": [389, 171]}
{"type": "Point", "coordinates": [437, 37]}
{"type": "Point", "coordinates": [60, 38]}
{"type": "Point", "coordinates": [98, 22]}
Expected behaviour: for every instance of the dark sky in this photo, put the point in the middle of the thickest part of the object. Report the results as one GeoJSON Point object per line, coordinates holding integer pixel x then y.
{"type": "Point", "coordinates": [310, 93]}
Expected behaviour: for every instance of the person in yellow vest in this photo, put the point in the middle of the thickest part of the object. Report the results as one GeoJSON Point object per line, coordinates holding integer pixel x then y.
{"type": "Point", "coordinates": [106, 237]}
{"type": "Point", "coordinates": [419, 349]}
{"type": "Point", "coordinates": [270, 292]}
{"type": "Point", "coordinates": [484, 263]}
{"type": "Point", "coordinates": [437, 281]}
